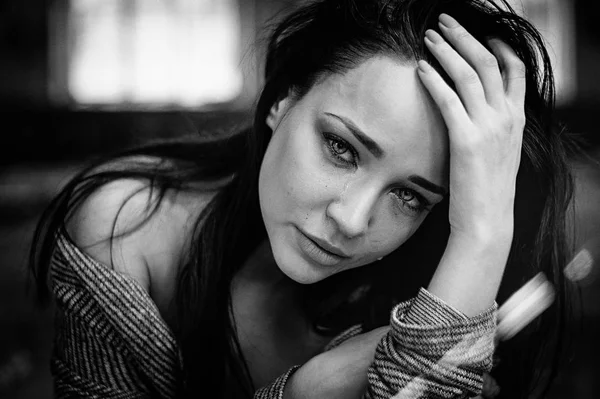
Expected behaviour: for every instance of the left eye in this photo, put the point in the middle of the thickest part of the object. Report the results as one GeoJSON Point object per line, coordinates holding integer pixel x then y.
{"type": "Point", "coordinates": [412, 201]}
{"type": "Point", "coordinates": [340, 149]}
{"type": "Point", "coordinates": [406, 195]}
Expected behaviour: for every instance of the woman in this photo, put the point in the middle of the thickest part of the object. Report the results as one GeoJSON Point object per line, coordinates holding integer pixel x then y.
{"type": "Point", "coordinates": [352, 242]}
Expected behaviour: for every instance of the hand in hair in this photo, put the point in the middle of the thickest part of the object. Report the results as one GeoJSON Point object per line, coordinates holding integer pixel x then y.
{"type": "Point", "coordinates": [485, 119]}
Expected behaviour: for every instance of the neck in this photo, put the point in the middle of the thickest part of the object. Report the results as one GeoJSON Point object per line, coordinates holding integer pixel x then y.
{"type": "Point", "coordinates": [261, 270]}
{"type": "Point", "coordinates": [262, 295]}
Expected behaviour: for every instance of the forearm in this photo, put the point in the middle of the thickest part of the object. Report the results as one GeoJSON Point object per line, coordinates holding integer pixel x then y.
{"type": "Point", "coordinates": [470, 271]}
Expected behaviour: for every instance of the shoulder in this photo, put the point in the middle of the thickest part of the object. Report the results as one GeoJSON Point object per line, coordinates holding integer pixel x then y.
{"type": "Point", "coordinates": [127, 226]}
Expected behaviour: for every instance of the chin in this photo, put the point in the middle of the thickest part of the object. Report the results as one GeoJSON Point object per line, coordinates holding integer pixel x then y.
{"type": "Point", "coordinates": [299, 270]}
{"type": "Point", "coordinates": [302, 272]}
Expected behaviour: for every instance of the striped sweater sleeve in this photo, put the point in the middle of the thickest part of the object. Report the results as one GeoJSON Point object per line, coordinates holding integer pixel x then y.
{"type": "Point", "coordinates": [432, 351]}
{"type": "Point", "coordinates": [110, 341]}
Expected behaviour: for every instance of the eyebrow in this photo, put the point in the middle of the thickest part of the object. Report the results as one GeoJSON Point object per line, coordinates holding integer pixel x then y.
{"type": "Point", "coordinates": [370, 145]}
{"type": "Point", "coordinates": [427, 185]}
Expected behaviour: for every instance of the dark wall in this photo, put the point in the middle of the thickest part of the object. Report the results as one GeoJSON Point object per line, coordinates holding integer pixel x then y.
{"type": "Point", "coordinates": [23, 53]}
{"type": "Point", "coordinates": [587, 13]}
{"type": "Point", "coordinates": [581, 115]}
{"type": "Point", "coordinates": [50, 134]}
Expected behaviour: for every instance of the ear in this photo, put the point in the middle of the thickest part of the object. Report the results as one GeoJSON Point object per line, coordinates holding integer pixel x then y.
{"type": "Point", "coordinates": [277, 111]}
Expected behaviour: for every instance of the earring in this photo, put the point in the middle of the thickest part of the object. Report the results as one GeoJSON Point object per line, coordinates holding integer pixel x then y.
{"type": "Point", "coordinates": [380, 258]}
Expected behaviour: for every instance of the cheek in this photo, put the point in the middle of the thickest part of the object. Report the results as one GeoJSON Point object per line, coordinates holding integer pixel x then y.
{"type": "Point", "coordinates": [391, 232]}
{"type": "Point", "coordinates": [273, 172]}
{"type": "Point", "coordinates": [292, 179]}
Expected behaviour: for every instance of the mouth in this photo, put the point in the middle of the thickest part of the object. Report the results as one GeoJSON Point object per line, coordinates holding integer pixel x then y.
{"type": "Point", "coordinates": [327, 247]}
{"type": "Point", "coordinates": [319, 250]}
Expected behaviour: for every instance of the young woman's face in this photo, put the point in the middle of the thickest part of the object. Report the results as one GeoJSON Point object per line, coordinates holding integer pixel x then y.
{"type": "Point", "coordinates": [352, 170]}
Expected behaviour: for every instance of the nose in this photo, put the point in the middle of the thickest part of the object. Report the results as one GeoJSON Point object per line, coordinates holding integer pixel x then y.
{"type": "Point", "coordinates": [353, 210]}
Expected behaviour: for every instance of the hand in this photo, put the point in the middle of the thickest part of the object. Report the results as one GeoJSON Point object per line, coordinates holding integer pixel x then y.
{"type": "Point", "coordinates": [339, 373]}
{"type": "Point", "coordinates": [485, 120]}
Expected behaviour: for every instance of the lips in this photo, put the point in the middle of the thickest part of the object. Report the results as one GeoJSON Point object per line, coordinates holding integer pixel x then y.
{"type": "Point", "coordinates": [327, 247]}
{"type": "Point", "coordinates": [319, 251]}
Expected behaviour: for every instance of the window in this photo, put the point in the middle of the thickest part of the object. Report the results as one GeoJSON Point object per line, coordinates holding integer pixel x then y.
{"type": "Point", "coordinates": [147, 53]}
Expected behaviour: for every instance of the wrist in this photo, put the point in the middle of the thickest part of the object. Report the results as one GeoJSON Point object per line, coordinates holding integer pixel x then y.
{"type": "Point", "coordinates": [471, 269]}
{"type": "Point", "coordinates": [483, 250]}
{"type": "Point", "coordinates": [484, 235]}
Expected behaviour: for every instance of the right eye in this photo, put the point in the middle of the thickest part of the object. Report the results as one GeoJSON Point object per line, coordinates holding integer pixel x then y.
{"type": "Point", "coordinates": [340, 149]}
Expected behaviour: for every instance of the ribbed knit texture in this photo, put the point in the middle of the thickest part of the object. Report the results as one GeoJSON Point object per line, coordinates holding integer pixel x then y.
{"type": "Point", "coordinates": [111, 342]}
{"type": "Point", "coordinates": [432, 351]}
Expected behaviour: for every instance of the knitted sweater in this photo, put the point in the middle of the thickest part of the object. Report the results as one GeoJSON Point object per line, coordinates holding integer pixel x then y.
{"type": "Point", "coordinates": [111, 341]}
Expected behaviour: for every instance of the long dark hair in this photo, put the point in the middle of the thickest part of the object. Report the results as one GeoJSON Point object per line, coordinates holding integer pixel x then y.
{"type": "Point", "coordinates": [318, 39]}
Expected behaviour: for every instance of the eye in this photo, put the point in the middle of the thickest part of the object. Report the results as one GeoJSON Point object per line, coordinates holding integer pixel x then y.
{"type": "Point", "coordinates": [411, 200]}
{"type": "Point", "coordinates": [340, 149]}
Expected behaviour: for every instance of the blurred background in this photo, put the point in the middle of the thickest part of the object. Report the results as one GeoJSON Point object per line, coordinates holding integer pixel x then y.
{"type": "Point", "coordinates": [80, 78]}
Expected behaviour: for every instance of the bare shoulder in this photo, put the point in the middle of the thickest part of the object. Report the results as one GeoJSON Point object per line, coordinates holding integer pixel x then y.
{"type": "Point", "coordinates": [124, 226]}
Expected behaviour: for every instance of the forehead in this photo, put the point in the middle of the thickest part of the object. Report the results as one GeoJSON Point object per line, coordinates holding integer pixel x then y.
{"type": "Point", "coordinates": [384, 97]}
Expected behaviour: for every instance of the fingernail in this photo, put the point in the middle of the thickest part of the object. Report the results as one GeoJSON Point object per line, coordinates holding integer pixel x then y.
{"type": "Point", "coordinates": [447, 21]}
{"type": "Point", "coordinates": [423, 66]}
{"type": "Point", "coordinates": [433, 36]}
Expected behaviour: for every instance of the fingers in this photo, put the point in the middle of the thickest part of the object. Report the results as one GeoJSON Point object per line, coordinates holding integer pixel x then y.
{"type": "Point", "coordinates": [466, 79]}
{"type": "Point", "coordinates": [489, 85]}
{"type": "Point", "coordinates": [481, 77]}
{"type": "Point", "coordinates": [477, 56]}
{"type": "Point", "coordinates": [513, 70]}
{"type": "Point", "coordinates": [447, 100]}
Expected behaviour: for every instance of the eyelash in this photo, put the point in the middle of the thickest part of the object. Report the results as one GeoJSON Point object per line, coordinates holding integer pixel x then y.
{"type": "Point", "coordinates": [332, 139]}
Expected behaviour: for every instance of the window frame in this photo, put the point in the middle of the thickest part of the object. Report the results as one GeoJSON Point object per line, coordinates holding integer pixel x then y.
{"type": "Point", "coordinates": [58, 67]}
